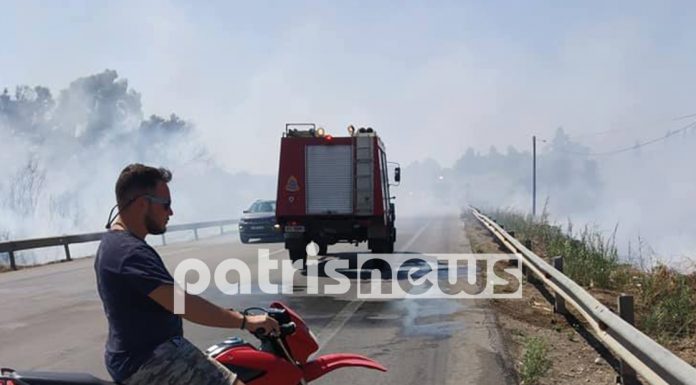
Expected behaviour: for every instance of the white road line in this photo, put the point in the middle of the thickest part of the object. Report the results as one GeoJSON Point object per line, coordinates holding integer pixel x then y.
{"type": "Point", "coordinates": [276, 252]}
{"type": "Point", "coordinates": [418, 234]}
{"type": "Point", "coordinates": [337, 323]}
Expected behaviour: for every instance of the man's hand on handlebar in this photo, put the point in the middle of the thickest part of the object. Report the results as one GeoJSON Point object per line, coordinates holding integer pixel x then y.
{"type": "Point", "coordinates": [262, 324]}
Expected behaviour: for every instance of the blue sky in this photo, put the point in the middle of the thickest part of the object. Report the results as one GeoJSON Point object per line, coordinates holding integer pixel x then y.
{"type": "Point", "coordinates": [432, 77]}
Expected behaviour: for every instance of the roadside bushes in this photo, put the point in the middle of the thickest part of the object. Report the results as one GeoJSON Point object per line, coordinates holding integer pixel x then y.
{"type": "Point", "coordinates": [669, 300]}
{"type": "Point", "coordinates": [590, 258]}
{"type": "Point", "coordinates": [535, 361]}
{"type": "Point", "coordinates": [665, 299]}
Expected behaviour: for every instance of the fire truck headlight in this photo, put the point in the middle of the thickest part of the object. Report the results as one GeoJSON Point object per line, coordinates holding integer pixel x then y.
{"type": "Point", "coordinates": [320, 132]}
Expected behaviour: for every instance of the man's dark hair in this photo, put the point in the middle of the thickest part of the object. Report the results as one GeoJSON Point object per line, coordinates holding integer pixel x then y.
{"type": "Point", "coordinates": [137, 179]}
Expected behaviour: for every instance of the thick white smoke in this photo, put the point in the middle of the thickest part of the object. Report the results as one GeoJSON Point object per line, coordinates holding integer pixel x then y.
{"type": "Point", "coordinates": [61, 157]}
{"type": "Point", "coordinates": [645, 192]}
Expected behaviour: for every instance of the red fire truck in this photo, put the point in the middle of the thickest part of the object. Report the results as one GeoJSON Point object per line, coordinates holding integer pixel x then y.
{"type": "Point", "coordinates": [334, 189]}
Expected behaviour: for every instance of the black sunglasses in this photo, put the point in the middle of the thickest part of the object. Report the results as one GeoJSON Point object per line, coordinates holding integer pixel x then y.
{"type": "Point", "coordinates": [166, 203]}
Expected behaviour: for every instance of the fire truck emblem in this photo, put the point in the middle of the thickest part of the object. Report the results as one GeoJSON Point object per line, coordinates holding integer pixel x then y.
{"type": "Point", "coordinates": [292, 185]}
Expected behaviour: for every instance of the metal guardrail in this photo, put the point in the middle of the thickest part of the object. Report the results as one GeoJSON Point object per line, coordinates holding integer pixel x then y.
{"type": "Point", "coordinates": [652, 361]}
{"type": "Point", "coordinates": [66, 240]}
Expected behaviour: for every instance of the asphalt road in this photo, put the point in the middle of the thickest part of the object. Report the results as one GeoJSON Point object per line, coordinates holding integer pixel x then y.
{"type": "Point", "coordinates": [51, 317]}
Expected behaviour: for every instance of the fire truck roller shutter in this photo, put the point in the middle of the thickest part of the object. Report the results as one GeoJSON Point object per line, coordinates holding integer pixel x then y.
{"type": "Point", "coordinates": [329, 183]}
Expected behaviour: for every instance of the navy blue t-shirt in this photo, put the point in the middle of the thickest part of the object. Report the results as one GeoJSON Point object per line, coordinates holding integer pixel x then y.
{"type": "Point", "coordinates": [128, 270]}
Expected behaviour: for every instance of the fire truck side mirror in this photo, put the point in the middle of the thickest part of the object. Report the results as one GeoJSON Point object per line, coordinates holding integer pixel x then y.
{"type": "Point", "coordinates": [397, 174]}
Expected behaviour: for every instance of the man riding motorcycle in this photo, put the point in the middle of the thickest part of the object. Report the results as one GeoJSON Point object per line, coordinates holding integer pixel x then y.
{"type": "Point", "coordinates": [145, 343]}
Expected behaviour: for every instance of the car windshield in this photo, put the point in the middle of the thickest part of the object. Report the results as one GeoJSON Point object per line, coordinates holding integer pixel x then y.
{"type": "Point", "coordinates": [263, 207]}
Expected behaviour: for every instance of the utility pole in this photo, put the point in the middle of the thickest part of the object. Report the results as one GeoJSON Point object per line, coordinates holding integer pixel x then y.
{"type": "Point", "coordinates": [534, 176]}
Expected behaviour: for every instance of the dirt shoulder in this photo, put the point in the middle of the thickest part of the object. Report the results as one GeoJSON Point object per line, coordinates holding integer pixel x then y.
{"type": "Point", "coordinates": [574, 357]}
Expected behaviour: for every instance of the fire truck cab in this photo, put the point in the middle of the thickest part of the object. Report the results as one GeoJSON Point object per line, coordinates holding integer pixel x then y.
{"type": "Point", "coordinates": [334, 189]}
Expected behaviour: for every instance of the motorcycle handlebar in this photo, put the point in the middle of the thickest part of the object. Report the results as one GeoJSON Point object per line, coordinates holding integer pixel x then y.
{"type": "Point", "coordinates": [285, 330]}
{"type": "Point", "coordinates": [287, 327]}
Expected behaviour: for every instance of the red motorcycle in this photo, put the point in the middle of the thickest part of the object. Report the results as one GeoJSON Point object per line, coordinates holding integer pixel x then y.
{"type": "Point", "coordinates": [280, 360]}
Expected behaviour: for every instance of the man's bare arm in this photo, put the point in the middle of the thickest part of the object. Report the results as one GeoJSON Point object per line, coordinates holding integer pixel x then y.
{"type": "Point", "coordinates": [202, 312]}
{"type": "Point", "coordinates": [198, 310]}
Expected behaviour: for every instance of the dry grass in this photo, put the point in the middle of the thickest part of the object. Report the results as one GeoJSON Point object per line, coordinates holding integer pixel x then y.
{"type": "Point", "coordinates": [665, 299]}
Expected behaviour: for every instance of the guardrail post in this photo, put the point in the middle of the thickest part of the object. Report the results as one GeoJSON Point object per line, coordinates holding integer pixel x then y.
{"type": "Point", "coordinates": [528, 244]}
{"type": "Point", "coordinates": [559, 302]}
{"type": "Point", "coordinates": [195, 233]}
{"type": "Point", "coordinates": [13, 264]}
{"type": "Point", "coordinates": [513, 262]}
{"type": "Point", "coordinates": [528, 273]}
{"type": "Point", "coordinates": [625, 306]}
{"type": "Point", "coordinates": [164, 240]}
{"type": "Point", "coordinates": [66, 246]}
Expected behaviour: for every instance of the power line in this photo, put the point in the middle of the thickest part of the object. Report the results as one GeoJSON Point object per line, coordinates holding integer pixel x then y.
{"type": "Point", "coordinates": [613, 130]}
{"type": "Point", "coordinates": [685, 117]}
{"type": "Point", "coordinates": [637, 145]}
{"type": "Point", "coordinates": [597, 133]}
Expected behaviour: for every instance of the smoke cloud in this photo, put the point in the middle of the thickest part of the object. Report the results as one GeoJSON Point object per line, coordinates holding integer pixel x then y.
{"type": "Point", "coordinates": [642, 191]}
{"type": "Point", "coordinates": [62, 156]}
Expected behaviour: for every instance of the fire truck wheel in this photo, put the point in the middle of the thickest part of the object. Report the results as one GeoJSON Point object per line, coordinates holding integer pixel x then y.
{"type": "Point", "coordinates": [373, 245]}
{"type": "Point", "coordinates": [298, 253]}
{"type": "Point", "coordinates": [388, 246]}
{"type": "Point", "coordinates": [376, 246]}
{"type": "Point", "coordinates": [381, 246]}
